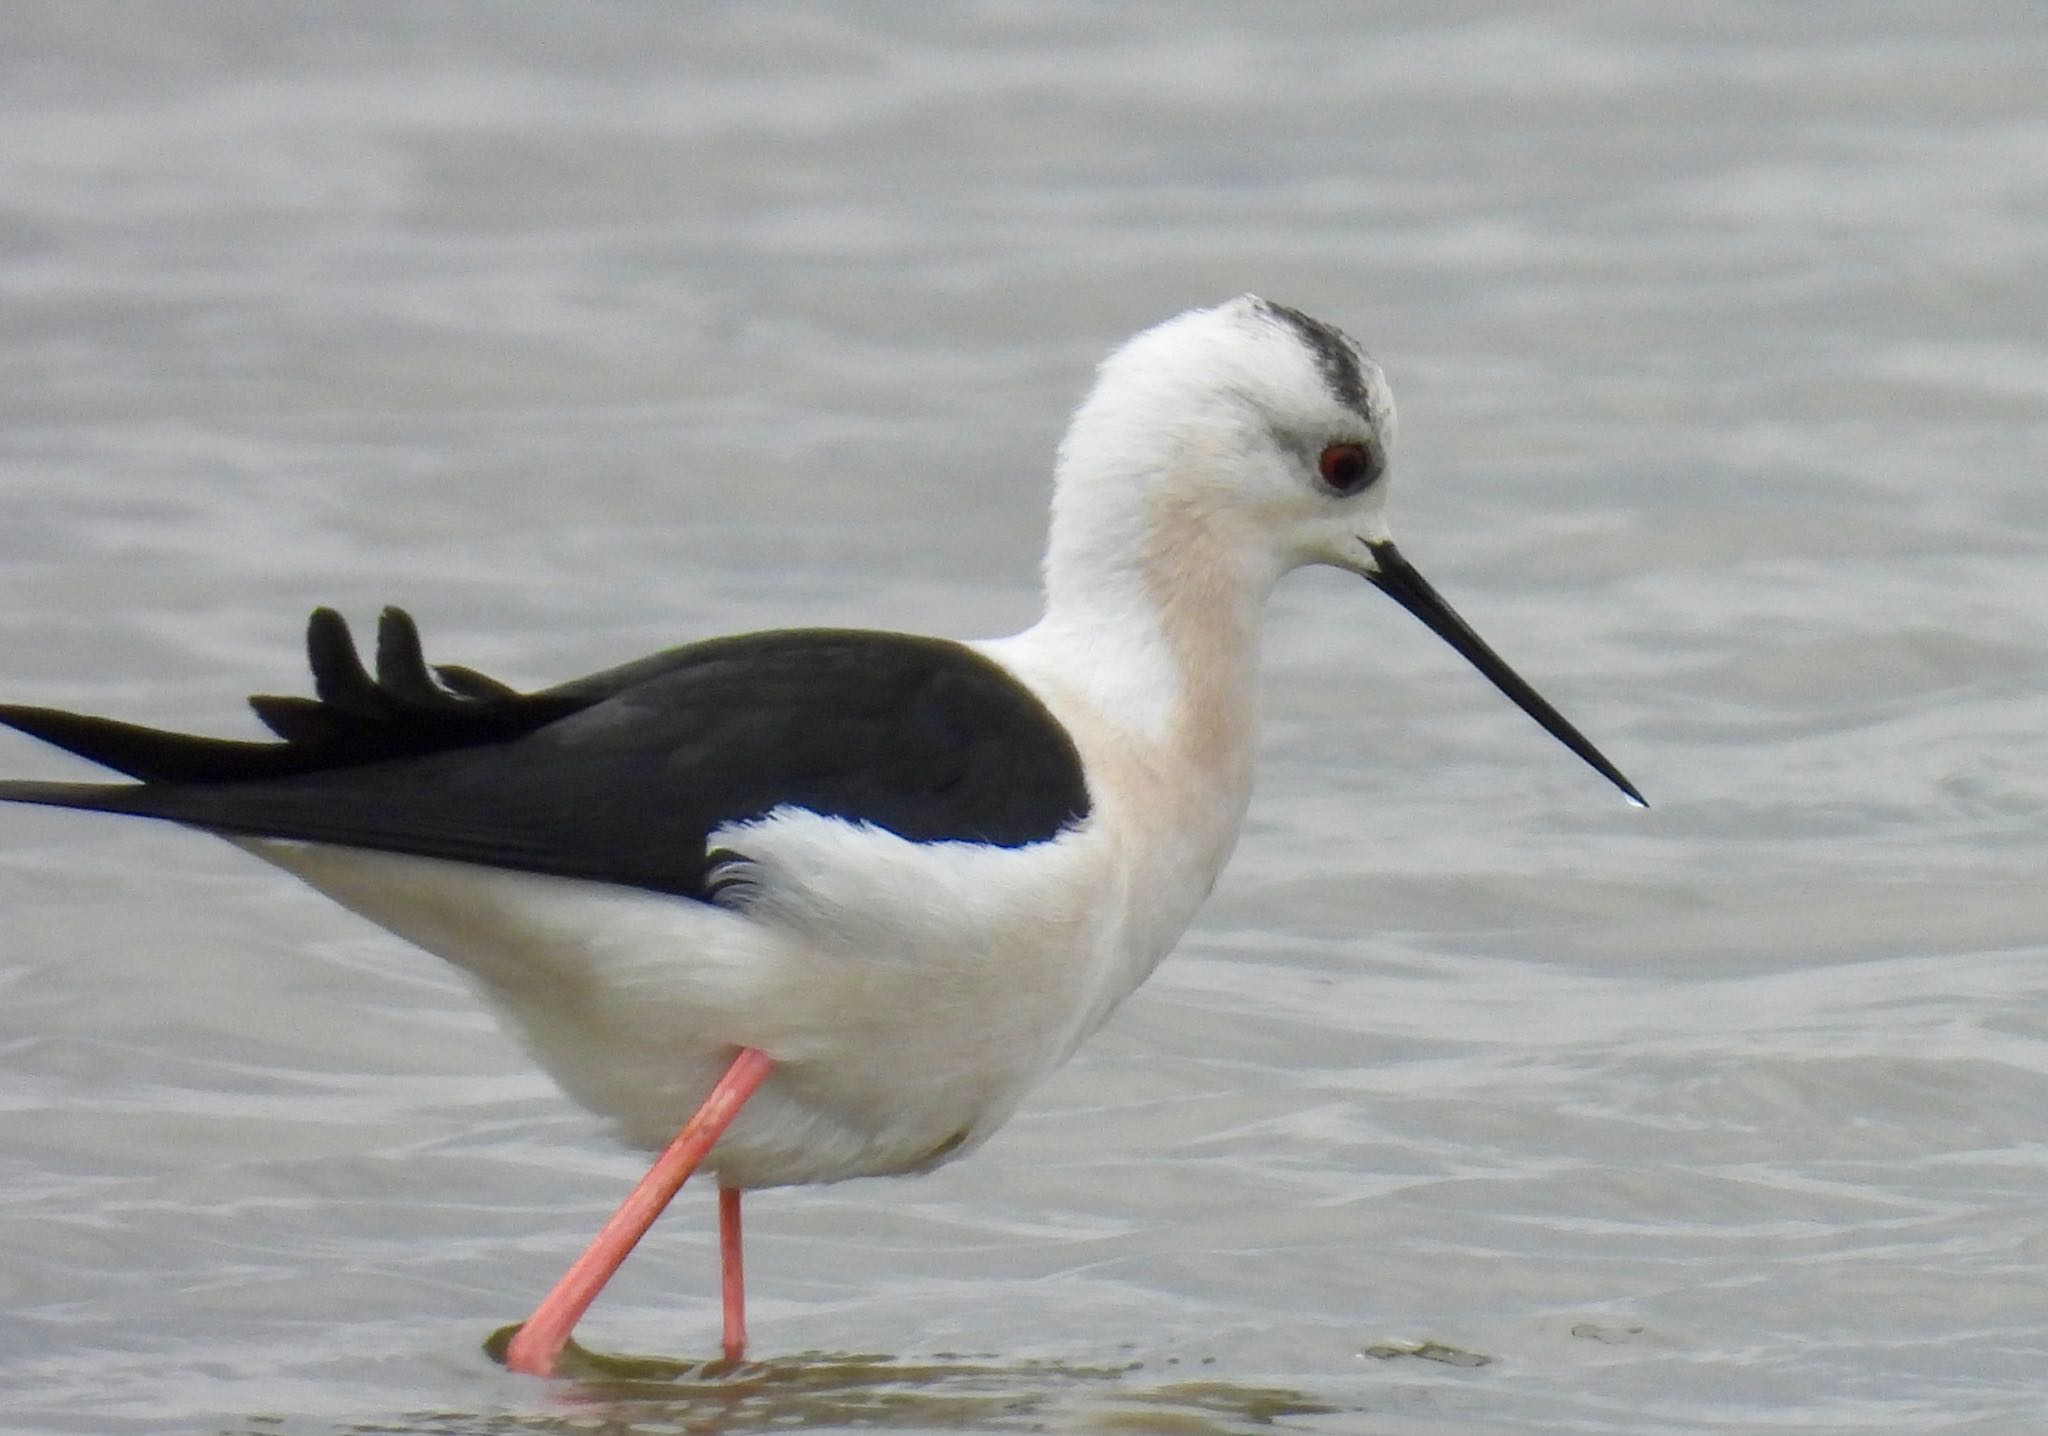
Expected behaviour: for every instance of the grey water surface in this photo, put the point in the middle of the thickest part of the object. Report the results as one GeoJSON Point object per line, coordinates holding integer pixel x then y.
{"type": "Point", "coordinates": [1477, 1101]}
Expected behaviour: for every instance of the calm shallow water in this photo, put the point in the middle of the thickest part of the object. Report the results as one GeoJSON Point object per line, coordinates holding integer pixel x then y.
{"type": "Point", "coordinates": [1718, 341]}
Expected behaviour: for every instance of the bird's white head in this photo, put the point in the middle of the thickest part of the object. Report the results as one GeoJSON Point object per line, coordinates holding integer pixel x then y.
{"type": "Point", "coordinates": [1248, 434]}
{"type": "Point", "coordinates": [1218, 451]}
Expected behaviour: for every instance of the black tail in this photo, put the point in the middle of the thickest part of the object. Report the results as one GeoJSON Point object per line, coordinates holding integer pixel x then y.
{"type": "Point", "coordinates": [406, 710]}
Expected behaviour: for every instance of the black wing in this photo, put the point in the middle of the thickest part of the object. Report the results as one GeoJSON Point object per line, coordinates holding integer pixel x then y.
{"type": "Point", "coordinates": [618, 777]}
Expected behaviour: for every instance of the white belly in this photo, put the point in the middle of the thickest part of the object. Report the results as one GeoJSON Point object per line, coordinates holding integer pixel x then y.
{"type": "Point", "coordinates": [910, 993]}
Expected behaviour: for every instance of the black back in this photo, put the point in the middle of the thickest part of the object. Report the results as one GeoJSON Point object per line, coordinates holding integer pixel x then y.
{"type": "Point", "coordinates": [618, 777]}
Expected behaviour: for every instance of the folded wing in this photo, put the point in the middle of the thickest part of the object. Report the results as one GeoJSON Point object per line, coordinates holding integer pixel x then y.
{"type": "Point", "coordinates": [618, 777]}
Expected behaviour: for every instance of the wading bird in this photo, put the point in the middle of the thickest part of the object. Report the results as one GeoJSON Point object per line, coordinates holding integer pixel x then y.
{"type": "Point", "coordinates": [828, 903]}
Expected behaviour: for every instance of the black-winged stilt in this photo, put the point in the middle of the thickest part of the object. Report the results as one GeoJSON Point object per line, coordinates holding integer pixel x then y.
{"type": "Point", "coordinates": [831, 902]}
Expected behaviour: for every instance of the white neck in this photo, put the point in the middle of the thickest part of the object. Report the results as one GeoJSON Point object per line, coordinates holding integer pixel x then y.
{"type": "Point", "coordinates": [1161, 640]}
{"type": "Point", "coordinates": [1148, 652]}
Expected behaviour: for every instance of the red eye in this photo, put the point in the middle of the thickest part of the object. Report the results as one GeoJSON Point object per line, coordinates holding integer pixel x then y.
{"type": "Point", "coordinates": [1346, 468]}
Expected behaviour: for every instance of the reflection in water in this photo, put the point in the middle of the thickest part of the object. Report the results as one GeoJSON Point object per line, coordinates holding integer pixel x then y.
{"type": "Point", "coordinates": [967, 1394]}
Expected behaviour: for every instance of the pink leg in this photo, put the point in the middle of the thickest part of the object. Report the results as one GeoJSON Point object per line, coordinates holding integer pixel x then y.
{"type": "Point", "coordinates": [539, 1342]}
{"type": "Point", "coordinates": [732, 1274]}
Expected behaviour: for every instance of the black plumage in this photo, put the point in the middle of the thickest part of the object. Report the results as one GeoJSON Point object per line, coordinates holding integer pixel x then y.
{"type": "Point", "coordinates": [618, 777]}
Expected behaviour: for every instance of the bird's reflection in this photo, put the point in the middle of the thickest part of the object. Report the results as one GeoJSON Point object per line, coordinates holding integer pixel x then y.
{"type": "Point", "coordinates": [945, 1393]}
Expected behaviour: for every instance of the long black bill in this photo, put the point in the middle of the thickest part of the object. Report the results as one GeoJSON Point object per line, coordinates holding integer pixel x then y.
{"type": "Point", "coordinates": [1398, 579]}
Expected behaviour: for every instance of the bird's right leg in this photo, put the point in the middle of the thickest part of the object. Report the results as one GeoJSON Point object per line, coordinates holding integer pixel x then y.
{"type": "Point", "coordinates": [731, 1272]}
{"type": "Point", "coordinates": [538, 1344]}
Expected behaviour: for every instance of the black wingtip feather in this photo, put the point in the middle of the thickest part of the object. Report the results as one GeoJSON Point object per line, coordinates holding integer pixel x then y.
{"type": "Point", "coordinates": [296, 720]}
{"type": "Point", "coordinates": [402, 670]}
{"type": "Point", "coordinates": [151, 754]}
{"type": "Point", "coordinates": [92, 797]}
{"type": "Point", "coordinates": [338, 673]}
{"type": "Point", "coordinates": [468, 683]}
{"type": "Point", "coordinates": [402, 712]}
